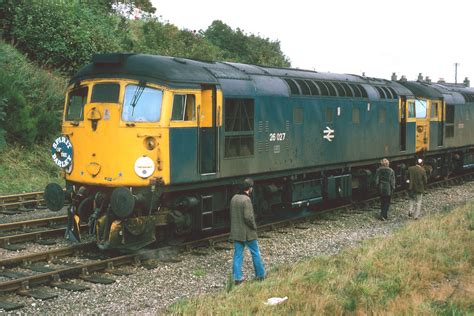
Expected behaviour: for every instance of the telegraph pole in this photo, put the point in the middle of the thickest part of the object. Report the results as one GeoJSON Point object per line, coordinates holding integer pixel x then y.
{"type": "Point", "coordinates": [456, 73]}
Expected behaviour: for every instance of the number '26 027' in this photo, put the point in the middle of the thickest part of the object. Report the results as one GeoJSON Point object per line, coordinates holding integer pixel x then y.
{"type": "Point", "coordinates": [276, 137]}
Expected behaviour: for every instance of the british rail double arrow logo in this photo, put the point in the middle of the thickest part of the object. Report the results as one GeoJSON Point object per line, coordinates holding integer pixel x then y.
{"type": "Point", "coordinates": [328, 133]}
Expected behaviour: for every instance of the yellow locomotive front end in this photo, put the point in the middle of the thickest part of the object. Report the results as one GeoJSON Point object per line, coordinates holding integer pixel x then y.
{"type": "Point", "coordinates": [113, 151]}
{"type": "Point", "coordinates": [115, 129]}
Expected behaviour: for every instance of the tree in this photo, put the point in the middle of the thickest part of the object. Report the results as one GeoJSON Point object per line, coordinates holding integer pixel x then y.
{"type": "Point", "coordinates": [128, 6]}
{"type": "Point", "coordinates": [239, 47]}
{"type": "Point", "coordinates": [63, 35]}
{"type": "Point", "coordinates": [154, 37]}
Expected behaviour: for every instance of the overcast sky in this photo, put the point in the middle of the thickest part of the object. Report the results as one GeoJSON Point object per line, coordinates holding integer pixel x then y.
{"type": "Point", "coordinates": [349, 36]}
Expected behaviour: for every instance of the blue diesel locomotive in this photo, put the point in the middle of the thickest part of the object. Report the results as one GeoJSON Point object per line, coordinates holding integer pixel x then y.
{"type": "Point", "coordinates": [157, 145]}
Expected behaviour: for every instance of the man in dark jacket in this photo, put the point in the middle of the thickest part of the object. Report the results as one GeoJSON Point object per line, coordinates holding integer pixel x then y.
{"type": "Point", "coordinates": [243, 231]}
{"type": "Point", "coordinates": [417, 182]}
{"type": "Point", "coordinates": [385, 181]}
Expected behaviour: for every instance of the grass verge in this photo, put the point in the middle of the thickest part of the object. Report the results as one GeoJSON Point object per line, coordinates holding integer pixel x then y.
{"type": "Point", "coordinates": [27, 169]}
{"type": "Point", "coordinates": [424, 268]}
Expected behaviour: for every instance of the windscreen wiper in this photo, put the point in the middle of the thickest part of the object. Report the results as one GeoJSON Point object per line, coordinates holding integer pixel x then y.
{"type": "Point", "coordinates": [136, 96]}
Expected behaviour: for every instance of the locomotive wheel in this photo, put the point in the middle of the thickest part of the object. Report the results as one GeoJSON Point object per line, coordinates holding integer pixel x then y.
{"type": "Point", "coordinates": [122, 202]}
{"type": "Point", "coordinates": [54, 197]}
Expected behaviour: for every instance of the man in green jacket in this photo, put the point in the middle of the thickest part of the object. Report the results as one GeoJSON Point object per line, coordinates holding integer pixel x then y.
{"type": "Point", "coordinates": [385, 182]}
{"type": "Point", "coordinates": [243, 231]}
{"type": "Point", "coordinates": [417, 182]}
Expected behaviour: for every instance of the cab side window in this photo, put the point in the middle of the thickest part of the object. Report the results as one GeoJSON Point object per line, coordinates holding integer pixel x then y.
{"type": "Point", "coordinates": [434, 110]}
{"type": "Point", "coordinates": [411, 109]}
{"type": "Point", "coordinates": [77, 98]}
{"type": "Point", "coordinates": [184, 107]}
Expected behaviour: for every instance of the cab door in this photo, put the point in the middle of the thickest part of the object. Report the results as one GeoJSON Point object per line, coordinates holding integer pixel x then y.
{"type": "Point", "coordinates": [437, 123]}
{"type": "Point", "coordinates": [403, 123]}
{"type": "Point", "coordinates": [419, 107]}
{"type": "Point", "coordinates": [207, 131]}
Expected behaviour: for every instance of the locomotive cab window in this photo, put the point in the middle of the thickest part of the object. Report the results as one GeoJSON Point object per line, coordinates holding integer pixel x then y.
{"type": "Point", "coordinates": [420, 108]}
{"type": "Point", "coordinates": [411, 109]}
{"type": "Point", "coordinates": [77, 98]}
{"type": "Point", "coordinates": [105, 93]}
{"type": "Point", "coordinates": [434, 110]}
{"type": "Point", "coordinates": [183, 107]}
{"type": "Point", "coordinates": [141, 104]}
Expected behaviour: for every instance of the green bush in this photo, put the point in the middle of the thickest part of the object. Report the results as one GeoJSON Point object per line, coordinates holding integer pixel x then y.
{"type": "Point", "coordinates": [19, 123]}
{"type": "Point", "coordinates": [31, 99]}
{"type": "Point", "coordinates": [64, 34]}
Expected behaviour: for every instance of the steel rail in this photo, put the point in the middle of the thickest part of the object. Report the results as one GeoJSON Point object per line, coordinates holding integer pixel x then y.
{"type": "Point", "coordinates": [46, 255]}
{"type": "Point", "coordinates": [54, 276]}
{"type": "Point", "coordinates": [24, 283]}
{"type": "Point", "coordinates": [20, 196]}
{"type": "Point", "coordinates": [36, 235]}
{"type": "Point", "coordinates": [34, 223]}
{"type": "Point", "coordinates": [18, 200]}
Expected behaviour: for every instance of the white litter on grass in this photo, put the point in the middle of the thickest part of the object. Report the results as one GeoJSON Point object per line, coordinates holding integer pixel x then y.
{"type": "Point", "coordinates": [275, 300]}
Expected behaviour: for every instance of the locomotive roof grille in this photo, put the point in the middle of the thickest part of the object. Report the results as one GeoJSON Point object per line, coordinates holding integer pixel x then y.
{"type": "Point", "coordinates": [386, 92]}
{"type": "Point", "coordinates": [469, 97]}
{"type": "Point", "coordinates": [327, 88]}
{"type": "Point", "coordinates": [394, 94]}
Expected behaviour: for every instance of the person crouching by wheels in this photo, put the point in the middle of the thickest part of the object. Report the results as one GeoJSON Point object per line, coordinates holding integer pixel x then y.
{"type": "Point", "coordinates": [385, 181]}
{"type": "Point", "coordinates": [243, 231]}
{"type": "Point", "coordinates": [417, 181]}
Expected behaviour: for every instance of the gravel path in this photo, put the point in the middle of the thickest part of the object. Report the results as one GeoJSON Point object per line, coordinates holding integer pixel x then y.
{"type": "Point", "coordinates": [151, 291]}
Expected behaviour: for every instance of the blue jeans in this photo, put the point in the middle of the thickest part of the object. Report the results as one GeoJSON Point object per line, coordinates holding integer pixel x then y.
{"type": "Point", "coordinates": [415, 199]}
{"type": "Point", "coordinates": [239, 247]}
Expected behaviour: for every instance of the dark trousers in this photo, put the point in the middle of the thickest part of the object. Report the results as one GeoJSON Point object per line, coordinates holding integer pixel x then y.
{"type": "Point", "coordinates": [385, 205]}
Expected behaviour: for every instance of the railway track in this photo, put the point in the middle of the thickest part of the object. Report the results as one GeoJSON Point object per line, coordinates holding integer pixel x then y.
{"type": "Point", "coordinates": [37, 230]}
{"type": "Point", "coordinates": [48, 268]}
{"type": "Point", "coordinates": [23, 202]}
{"type": "Point", "coordinates": [25, 274]}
